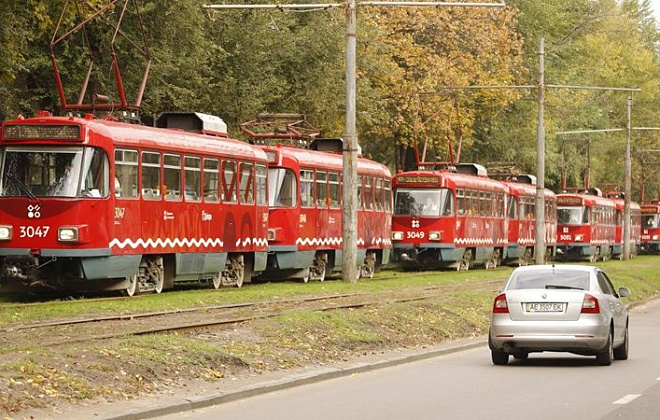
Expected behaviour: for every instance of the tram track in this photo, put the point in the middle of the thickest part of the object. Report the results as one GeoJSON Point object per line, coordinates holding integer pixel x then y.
{"type": "Point", "coordinates": [183, 321]}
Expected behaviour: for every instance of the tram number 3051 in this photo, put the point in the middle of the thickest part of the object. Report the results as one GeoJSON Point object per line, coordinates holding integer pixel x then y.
{"type": "Point", "coordinates": [33, 231]}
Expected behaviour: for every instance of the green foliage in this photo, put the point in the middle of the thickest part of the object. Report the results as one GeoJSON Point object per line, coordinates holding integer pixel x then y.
{"type": "Point", "coordinates": [237, 64]}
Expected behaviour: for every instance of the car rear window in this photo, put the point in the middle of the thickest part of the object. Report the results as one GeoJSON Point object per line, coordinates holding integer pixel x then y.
{"type": "Point", "coordinates": [551, 278]}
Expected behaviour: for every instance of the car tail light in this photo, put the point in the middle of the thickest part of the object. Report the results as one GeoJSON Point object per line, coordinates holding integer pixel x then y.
{"type": "Point", "coordinates": [590, 305]}
{"type": "Point", "coordinates": [500, 306]}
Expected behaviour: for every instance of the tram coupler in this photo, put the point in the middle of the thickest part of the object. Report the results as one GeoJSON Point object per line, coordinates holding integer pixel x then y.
{"type": "Point", "coordinates": [23, 269]}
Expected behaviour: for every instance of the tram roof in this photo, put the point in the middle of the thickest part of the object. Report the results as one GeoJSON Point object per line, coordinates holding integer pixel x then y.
{"type": "Point", "coordinates": [327, 160]}
{"type": "Point", "coordinates": [134, 135]}
{"type": "Point", "coordinates": [447, 179]}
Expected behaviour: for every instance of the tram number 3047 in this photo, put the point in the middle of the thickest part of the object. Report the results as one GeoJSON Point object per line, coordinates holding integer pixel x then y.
{"type": "Point", "coordinates": [33, 231]}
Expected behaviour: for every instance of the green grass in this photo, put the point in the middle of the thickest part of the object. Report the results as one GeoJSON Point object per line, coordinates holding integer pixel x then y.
{"type": "Point", "coordinates": [641, 275]}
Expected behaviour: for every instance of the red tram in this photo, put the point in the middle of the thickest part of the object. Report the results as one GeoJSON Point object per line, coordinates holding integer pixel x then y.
{"type": "Point", "coordinates": [305, 221]}
{"type": "Point", "coordinates": [586, 225]}
{"type": "Point", "coordinates": [521, 214]}
{"type": "Point", "coordinates": [449, 218]}
{"type": "Point", "coordinates": [90, 204]}
{"type": "Point", "coordinates": [650, 227]}
{"type": "Point", "coordinates": [635, 227]}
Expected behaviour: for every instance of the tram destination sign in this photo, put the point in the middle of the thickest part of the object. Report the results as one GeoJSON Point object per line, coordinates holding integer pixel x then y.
{"type": "Point", "coordinates": [569, 201]}
{"type": "Point", "coordinates": [41, 132]}
{"type": "Point", "coordinates": [418, 179]}
{"type": "Point", "coordinates": [650, 209]}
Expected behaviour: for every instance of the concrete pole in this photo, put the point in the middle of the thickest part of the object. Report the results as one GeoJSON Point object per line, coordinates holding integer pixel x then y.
{"type": "Point", "coordinates": [350, 203]}
{"type": "Point", "coordinates": [539, 250]}
{"type": "Point", "coordinates": [626, 188]}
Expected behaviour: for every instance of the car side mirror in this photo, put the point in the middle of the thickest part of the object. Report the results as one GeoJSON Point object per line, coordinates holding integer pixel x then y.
{"type": "Point", "coordinates": [624, 292]}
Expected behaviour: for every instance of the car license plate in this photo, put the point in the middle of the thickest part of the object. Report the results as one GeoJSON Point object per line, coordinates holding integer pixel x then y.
{"type": "Point", "coordinates": [544, 307]}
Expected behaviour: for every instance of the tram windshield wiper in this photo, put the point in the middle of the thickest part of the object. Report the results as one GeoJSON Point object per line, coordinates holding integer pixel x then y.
{"type": "Point", "coordinates": [21, 186]}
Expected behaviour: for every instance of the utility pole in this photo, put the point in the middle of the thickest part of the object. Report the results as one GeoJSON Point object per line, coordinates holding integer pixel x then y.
{"type": "Point", "coordinates": [539, 246]}
{"type": "Point", "coordinates": [349, 175]}
{"type": "Point", "coordinates": [627, 183]}
{"type": "Point", "coordinates": [349, 267]}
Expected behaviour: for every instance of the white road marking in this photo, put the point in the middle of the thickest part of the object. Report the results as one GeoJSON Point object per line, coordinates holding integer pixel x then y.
{"type": "Point", "coordinates": [626, 399]}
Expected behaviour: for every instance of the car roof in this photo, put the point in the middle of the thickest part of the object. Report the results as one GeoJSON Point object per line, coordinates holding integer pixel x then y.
{"type": "Point", "coordinates": [573, 267]}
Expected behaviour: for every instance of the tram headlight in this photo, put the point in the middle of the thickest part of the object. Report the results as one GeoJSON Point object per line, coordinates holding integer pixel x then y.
{"type": "Point", "coordinates": [435, 236]}
{"type": "Point", "coordinates": [5, 233]}
{"type": "Point", "coordinates": [273, 235]}
{"type": "Point", "coordinates": [397, 236]}
{"type": "Point", "coordinates": [655, 237]}
{"type": "Point", "coordinates": [68, 234]}
{"type": "Point", "coordinates": [579, 238]}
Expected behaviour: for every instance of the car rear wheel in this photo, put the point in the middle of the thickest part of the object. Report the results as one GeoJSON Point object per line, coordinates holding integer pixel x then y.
{"type": "Point", "coordinates": [499, 357]}
{"type": "Point", "coordinates": [605, 357]}
{"type": "Point", "coordinates": [621, 353]}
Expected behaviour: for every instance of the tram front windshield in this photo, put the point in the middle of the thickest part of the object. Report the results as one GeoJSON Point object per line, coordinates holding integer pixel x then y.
{"type": "Point", "coordinates": [650, 221]}
{"type": "Point", "coordinates": [423, 202]}
{"type": "Point", "coordinates": [54, 172]}
{"type": "Point", "coordinates": [573, 215]}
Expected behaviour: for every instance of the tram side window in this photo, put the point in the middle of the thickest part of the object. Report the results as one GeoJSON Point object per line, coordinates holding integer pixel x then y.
{"type": "Point", "coordinates": [172, 165]}
{"type": "Point", "coordinates": [307, 188]}
{"type": "Point", "coordinates": [446, 203]}
{"type": "Point", "coordinates": [151, 176]}
{"type": "Point", "coordinates": [482, 204]}
{"type": "Point", "coordinates": [262, 182]}
{"type": "Point", "coordinates": [474, 203]}
{"type": "Point", "coordinates": [460, 202]}
{"type": "Point", "coordinates": [126, 173]}
{"type": "Point", "coordinates": [229, 181]}
{"type": "Point", "coordinates": [368, 193]}
{"type": "Point", "coordinates": [211, 180]}
{"type": "Point", "coordinates": [321, 189]}
{"type": "Point", "coordinates": [378, 200]}
{"type": "Point", "coordinates": [193, 178]}
{"type": "Point", "coordinates": [531, 208]}
{"type": "Point", "coordinates": [388, 195]}
{"type": "Point", "coordinates": [360, 188]}
{"type": "Point", "coordinates": [586, 216]}
{"type": "Point", "coordinates": [489, 203]}
{"type": "Point", "coordinates": [333, 185]}
{"type": "Point", "coordinates": [246, 184]}
{"type": "Point", "coordinates": [282, 187]}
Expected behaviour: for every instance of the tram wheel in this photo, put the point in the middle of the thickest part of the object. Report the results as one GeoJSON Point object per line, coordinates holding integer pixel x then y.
{"type": "Point", "coordinates": [152, 274]}
{"type": "Point", "coordinates": [217, 281]}
{"type": "Point", "coordinates": [494, 258]}
{"type": "Point", "coordinates": [133, 287]}
{"type": "Point", "coordinates": [464, 262]}
{"type": "Point", "coordinates": [369, 266]}
{"type": "Point", "coordinates": [235, 271]}
{"type": "Point", "coordinates": [319, 268]}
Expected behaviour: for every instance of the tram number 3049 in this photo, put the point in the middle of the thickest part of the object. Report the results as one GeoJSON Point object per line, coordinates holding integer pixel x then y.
{"type": "Point", "coordinates": [414, 235]}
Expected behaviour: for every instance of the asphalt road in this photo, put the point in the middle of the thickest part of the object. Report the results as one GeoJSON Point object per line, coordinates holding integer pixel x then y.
{"type": "Point", "coordinates": [465, 385]}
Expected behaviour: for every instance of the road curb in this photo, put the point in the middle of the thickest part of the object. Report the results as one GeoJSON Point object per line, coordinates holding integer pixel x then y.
{"type": "Point", "coordinates": [294, 380]}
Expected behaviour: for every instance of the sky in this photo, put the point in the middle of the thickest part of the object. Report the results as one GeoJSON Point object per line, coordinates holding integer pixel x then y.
{"type": "Point", "coordinates": [655, 4]}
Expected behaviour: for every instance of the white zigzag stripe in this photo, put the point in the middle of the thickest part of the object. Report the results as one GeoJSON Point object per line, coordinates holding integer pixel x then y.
{"type": "Point", "coordinates": [318, 242]}
{"type": "Point", "coordinates": [165, 243]}
{"type": "Point", "coordinates": [256, 241]}
{"type": "Point", "coordinates": [338, 241]}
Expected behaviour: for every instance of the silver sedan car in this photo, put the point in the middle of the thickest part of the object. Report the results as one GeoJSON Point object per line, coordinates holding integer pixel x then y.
{"type": "Point", "coordinates": [563, 308]}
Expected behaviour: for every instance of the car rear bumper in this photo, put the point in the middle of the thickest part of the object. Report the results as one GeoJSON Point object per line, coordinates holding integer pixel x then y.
{"type": "Point", "coordinates": [588, 334]}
